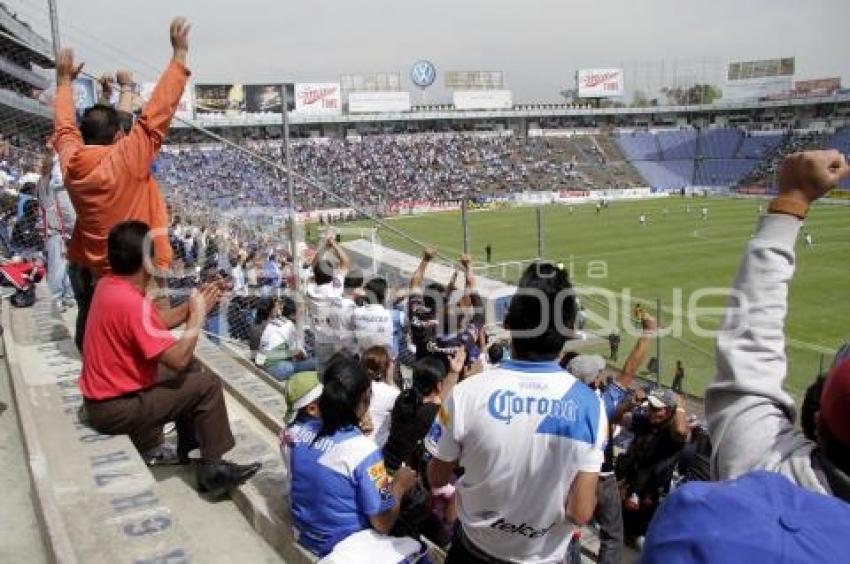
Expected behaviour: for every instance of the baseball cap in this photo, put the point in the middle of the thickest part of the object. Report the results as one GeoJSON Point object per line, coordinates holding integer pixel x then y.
{"type": "Point", "coordinates": [586, 366]}
{"type": "Point", "coordinates": [660, 398]}
{"type": "Point", "coordinates": [760, 517]}
{"type": "Point", "coordinates": [834, 401]}
{"type": "Point", "coordinates": [300, 391]}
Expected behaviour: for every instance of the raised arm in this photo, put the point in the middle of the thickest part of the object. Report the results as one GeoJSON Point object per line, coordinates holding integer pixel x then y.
{"type": "Point", "coordinates": [750, 416]}
{"type": "Point", "coordinates": [66, 136]}
{"type": "Point", "coordinates": [125, 92]}
{"type": "Point", "coordinates": [419, 274]}
{"type": "Point", "coordinates": [341, 256]}
{"type": "Point", "coordinates": [471, 290]}
{"type": "Point", "coordinates": [638, 354]}
{"type": "Point", "coordinates": [139, 148]}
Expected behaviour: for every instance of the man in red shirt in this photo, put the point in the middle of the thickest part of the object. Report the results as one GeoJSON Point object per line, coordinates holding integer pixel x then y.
{"type": "Point", "coordinates": [126, 340]}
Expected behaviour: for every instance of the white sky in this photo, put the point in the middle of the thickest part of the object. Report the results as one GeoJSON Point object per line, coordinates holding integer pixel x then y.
{"type": "Point", "coordinates": [539, 44]}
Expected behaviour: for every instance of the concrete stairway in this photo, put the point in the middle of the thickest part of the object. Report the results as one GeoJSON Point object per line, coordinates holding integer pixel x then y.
{"type": "Point", "coordinates": [95, 498]}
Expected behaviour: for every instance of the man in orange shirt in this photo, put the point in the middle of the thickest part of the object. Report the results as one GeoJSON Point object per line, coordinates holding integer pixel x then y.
{"type": "Point", "coordinates": [108, 174]}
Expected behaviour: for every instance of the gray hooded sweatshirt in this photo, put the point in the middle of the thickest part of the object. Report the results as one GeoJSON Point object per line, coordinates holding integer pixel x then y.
{"type": "Point", "coordinates": [750, 416]}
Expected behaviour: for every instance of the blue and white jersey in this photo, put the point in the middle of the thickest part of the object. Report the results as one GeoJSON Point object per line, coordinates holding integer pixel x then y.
{"type": "Point", "coordinates": [522, 432]}
{"type": "Point", "coordinates": [338, 482]}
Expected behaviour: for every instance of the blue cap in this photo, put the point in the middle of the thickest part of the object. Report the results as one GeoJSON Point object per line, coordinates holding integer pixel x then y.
{"type": "Point", "coordinates": [761, 517]}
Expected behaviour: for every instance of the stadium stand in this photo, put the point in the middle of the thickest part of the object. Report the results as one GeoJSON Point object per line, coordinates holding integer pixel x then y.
{"type": "Point", "coordinates": [677, 145]}
{"type": "Point", "coordinates": [639, 145]}
{"type": "Point", "coordinates": [719, 143]}
{"type": "Point", "coordinates": [666, 175]}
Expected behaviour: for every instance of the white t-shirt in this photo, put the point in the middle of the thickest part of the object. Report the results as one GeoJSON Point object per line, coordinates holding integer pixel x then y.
{"type": "Point", "coordinates": [278, 332]}
{"type": "Point", "coordinates": [521, 432]}
{"type": "Point", "coordinates": [347, 340]}
{"type": "Point", "coordinates": [380, 408]}
{"type": "Point", "coordinates": [373, 326]}
{"type": "Point", "coordinates": [323, 304]}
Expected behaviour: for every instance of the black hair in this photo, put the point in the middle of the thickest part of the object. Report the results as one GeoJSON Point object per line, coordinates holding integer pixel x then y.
{"type": "Point", "coordinates": [376, 291]}
{"type": "Point", "coordinates": [345, 382]}
{"type": "Point", "coordinates": [99, 125]}
{"type": "Point", "coordinates": [287, 307]}
{"type": "Point", "coordinates": [265, 306]}
{"type": "Point", "coordinates": [565, 360]}
{"type": "Point", "coordinates": [495, 353]}
{"type": "Point", "coordinates": [323, 272]}
{"type": "Point", "coordinates": [810, 406]}
{"type": "Point", "coordinates": [126, 246]}
{"type": "Point", "coordinates": [544, 307]}
{"type": "Point", "coordinates": [353, 280]}
{"type": "Point", "coordinates": [28, 188]}
{"type": "Point", "coordinates": [428, 373]}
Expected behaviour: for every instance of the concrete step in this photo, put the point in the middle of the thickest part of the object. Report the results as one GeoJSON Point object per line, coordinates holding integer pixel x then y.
{"type": "Point", "coordinates": [96, 499]}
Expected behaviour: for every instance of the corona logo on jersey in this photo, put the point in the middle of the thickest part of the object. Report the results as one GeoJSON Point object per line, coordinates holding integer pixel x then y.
{"type": "Point", "coordinates": [505, 405]}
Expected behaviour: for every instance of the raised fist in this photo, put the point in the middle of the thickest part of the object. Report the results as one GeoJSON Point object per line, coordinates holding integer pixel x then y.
{"type": "Point", "coordinates": [125, 77]}
{"type": "Point", "coordinates": [809, 175]}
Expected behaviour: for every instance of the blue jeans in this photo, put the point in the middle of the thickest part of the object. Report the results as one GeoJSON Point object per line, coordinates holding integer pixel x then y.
{"type": "Point", "coordinates": [284, 369]}
{"type": "Point", "coordinates": [57, 269]}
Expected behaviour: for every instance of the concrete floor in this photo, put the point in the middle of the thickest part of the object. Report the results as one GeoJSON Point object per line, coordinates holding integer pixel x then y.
{"type": "Point", "coordinates": [20, 532]}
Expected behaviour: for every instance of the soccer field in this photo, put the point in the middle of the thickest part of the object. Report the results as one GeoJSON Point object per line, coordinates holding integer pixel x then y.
{"type": "Point", "coordinates": [676, 251]}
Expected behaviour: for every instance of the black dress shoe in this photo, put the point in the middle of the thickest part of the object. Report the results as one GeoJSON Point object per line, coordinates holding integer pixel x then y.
{"type": "Point", "coordinates": [184, 447]}
{"type": "Point", "coordinates": [217, 478]}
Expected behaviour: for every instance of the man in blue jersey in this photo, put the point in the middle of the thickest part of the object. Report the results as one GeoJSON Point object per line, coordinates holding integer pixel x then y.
{"type": "Point", "coordinates": [529, 437]}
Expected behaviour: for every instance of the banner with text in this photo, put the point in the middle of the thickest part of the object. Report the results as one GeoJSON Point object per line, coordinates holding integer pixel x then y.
{"type": "Point", "coordinates": [600, 83]}
{"type": "Point", "coordinates": [318, 98]}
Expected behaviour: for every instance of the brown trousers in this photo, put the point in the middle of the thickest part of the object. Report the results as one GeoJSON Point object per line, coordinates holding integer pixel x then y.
{"type": "Point", "coordinates": [193, 399]}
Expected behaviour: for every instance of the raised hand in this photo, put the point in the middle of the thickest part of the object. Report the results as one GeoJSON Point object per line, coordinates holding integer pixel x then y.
{"type": "Point", "coordinates": [429, 253]}
{"type": "Point", "coordinates": [106, 85]}
{"type": "Point", "coordinates": [650, 326]}
{"type": "Point", "coordinates": [124, 77]}
{"type": "Point", "coordinates": [180, 38]}
{"type": "Point", "coordinates": [809, 175]}
{"type": "Point", "coordinates": [66, 69]}
{"type": "Point", "coordinates": [457, 360]}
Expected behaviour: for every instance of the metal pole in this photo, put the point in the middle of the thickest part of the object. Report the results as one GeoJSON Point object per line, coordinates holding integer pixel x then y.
{"type": "Point", "coordinates": [54, 26]}
{"type": "Point", "coordinates": [465, 225]}
{"type": "Point", "coordinates": [658, 342]}
{"type": "Point", "coordinates": [820, 370]}
{"type": "Point", "coordinates": [286, 153]}
{"type": "Point", "coordinates": [541, 245]}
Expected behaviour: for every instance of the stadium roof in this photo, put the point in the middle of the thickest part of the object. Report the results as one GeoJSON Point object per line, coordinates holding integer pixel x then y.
{"type": "Point", "coordinates": [38, 48]}
{"type": "Point", "coordinates": [523, 111]}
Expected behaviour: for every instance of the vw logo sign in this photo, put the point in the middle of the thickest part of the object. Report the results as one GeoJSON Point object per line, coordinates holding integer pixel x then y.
{"type": "Point", "coordinates": [423, 74]}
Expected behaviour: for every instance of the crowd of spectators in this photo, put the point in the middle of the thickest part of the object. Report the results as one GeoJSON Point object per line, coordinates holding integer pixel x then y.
{"type": "Point", "coordinates": [494, 449]}
{"type": "Point", "coordinates": [376, 172]}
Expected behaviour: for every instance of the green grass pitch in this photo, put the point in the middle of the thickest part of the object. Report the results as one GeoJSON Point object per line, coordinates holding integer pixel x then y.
{"type": "Point", "coordinates": [675, 250]}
